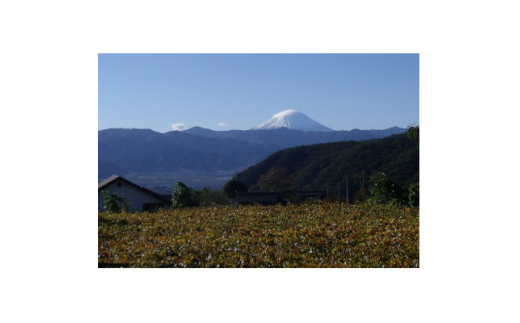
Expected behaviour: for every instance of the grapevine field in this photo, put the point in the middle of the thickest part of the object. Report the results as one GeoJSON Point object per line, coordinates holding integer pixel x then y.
{"type": "Point", "coordinates": [323, 235]}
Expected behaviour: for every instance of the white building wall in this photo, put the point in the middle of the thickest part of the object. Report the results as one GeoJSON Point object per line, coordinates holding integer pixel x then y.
{"type": "Point", "coordinates": [134, 196]}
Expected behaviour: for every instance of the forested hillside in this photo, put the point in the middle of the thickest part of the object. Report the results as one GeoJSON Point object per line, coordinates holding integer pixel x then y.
{"type": "Point", "coordinates": [321, 166]}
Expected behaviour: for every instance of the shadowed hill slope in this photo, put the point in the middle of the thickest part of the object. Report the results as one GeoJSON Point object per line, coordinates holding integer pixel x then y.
{"type": "Point", "coordinates": [316, 167]}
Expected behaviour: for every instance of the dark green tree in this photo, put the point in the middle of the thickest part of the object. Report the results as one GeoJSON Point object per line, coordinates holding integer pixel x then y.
{"type": "Point", "coordinates": [232, 187]}
{"type": "Point", "coordinates": [115, 203]}
{"type": "Point", "coordinates": [412, 132]}
{"type": "Point", "coordinates": [413, 194]}
{"type": "Point", "coordinates": [385, 191]}
{"type": "Point", "coordinates": [181, 196]}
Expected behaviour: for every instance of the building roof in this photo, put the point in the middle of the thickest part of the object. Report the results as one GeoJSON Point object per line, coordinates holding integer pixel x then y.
{"type": "Point", "coordinates": [113, 178]}
{"type": "Point", "coordinates": [258, 197]}
{"type": "Point", "coordinates": [309, 193]}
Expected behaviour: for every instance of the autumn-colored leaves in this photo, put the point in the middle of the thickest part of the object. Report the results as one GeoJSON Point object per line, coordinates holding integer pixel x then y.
{"type": "Point", "coordinates": [326, 235]}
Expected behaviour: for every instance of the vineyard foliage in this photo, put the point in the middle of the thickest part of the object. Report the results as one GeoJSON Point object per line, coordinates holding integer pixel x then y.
{"type": "Point", "coordinates": [313, 235]}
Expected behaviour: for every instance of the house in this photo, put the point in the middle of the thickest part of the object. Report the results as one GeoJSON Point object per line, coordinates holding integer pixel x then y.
{"type": "Point", "coordinates": [137, 197]}
{"type": "Point", "coordinates": [264, 198]}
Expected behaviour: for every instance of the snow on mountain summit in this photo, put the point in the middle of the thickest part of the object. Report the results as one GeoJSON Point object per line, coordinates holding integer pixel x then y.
{"type": "Point", "coordinates": [292, 119]}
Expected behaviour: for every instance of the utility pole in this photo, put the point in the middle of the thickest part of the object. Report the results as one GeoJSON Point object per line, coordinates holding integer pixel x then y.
{"type": "Point", "coordinates": [363, 185]}
{"type": "Point", "coordinates": [346, 187]}
{"type": "Point", "coordinates": [338, 189]}
{"type": "Point", "coordinates": [327, 189]}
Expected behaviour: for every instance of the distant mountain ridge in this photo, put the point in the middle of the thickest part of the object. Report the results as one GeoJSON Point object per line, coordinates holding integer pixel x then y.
{"type": "Point", "coordinates": [135, 150]}
{"type": "Point", "coordinates": [285, 138]}
{"type": "Point", "coordinates": [138, 151]}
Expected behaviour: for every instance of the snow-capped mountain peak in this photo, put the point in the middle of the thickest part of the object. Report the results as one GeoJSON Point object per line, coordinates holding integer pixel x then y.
{"type": "Point", "coordinates": [292, 119]}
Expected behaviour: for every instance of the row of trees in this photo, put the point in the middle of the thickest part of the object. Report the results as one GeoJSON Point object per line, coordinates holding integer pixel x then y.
{"type": "Point", "coordinates": [276, 180]}
{"type": "Point", "coordinates": [380, 190]}
{"type": "Point", "coordinates": [182, 196]}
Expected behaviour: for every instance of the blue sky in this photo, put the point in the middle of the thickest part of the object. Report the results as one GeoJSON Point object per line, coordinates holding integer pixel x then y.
{"type": "Point", "coordinates": [163, 92]}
